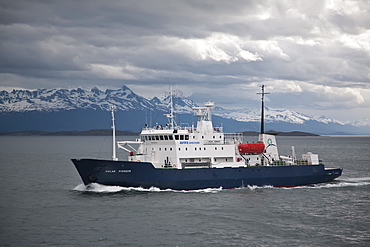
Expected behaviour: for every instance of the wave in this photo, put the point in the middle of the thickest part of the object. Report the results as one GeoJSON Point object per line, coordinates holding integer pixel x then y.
{"type": "Point", "coordinates": [99, 188]}
{"type": "Point", "coordinates": [340, 183]}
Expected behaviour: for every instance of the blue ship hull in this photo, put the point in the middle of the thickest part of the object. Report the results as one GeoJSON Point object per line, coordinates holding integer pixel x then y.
{"type": "Point", "coordinates": [145, 175]}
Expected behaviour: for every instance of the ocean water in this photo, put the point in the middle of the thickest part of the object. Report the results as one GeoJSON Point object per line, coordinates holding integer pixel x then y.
{"type": "Point", "coordinates": [44, 203]}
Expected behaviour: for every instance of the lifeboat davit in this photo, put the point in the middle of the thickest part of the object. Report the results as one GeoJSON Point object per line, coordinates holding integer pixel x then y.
{"type": "Point", "coordinates": [251, 148]}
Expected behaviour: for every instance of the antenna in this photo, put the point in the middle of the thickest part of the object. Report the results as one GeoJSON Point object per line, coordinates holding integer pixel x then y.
{"type": "Point", "coordinates": [263, 109]}
{"type": "Point", "coordinates": [171, 115]}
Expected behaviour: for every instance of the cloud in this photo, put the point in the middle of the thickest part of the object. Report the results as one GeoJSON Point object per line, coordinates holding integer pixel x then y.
{"type": "Point", "coordinates": [315, 52]}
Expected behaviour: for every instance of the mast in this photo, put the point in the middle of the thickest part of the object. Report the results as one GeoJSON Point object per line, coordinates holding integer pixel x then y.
{"type": "Point", "coordinates": [171, 108]}
{"type": "Point", "coordinates": [263, 109]}
{"type": "Point", "coordinates": [171, 115]}
{"type": "Point", "coordinates": [114, 156]}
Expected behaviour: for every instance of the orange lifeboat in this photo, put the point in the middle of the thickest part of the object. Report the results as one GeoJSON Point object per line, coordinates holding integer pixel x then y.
{"type": "Point", "coordinates": [251, 148]}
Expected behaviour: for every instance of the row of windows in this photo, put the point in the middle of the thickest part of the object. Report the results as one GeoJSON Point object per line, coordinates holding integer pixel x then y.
{"type": "Point", "coordinates": [221, 159]}
{"type": "Point", "coordinates": [186, 149]}
{"type": "Point", "coordinates": [165, 137]}
{"type": "Point", "coordinates": [168, 137]}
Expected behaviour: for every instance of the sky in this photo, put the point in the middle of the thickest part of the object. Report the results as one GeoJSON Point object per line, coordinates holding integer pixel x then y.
{"type": "Point", "coordinates": [313, 56]}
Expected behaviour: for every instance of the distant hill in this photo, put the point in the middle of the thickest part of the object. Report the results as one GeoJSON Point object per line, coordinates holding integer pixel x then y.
{"type": "Point", "coordinates": [93, 132]}
{"type": "Point", "coordinates": [292, 133]}
{"type": "Point", "coordinates": [108, 132]}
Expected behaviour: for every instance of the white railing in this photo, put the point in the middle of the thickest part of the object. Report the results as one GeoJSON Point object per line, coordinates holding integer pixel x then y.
{"type": "Point", "coordinates": [233, 138]}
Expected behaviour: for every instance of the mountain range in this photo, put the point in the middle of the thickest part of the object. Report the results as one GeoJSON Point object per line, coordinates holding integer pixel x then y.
{"type": "Point", "coordinates": [79, 109]}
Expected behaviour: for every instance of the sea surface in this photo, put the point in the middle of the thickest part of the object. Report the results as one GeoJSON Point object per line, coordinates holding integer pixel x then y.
{"type": "Point", "coordinates": [44, 203]}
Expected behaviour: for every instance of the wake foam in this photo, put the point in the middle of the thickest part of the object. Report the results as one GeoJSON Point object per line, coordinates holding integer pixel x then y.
{"type": "Point", "coordinates": [98, 188]}
{"type": "Point", "coordinates": [349, 182]}
{"type": "Point", "coordinates": [342, 183]}
{"type": "Point", "coordinates": [255, 187]}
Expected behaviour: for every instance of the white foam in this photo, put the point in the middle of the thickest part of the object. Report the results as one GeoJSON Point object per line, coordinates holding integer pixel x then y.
{"type": "Point", "coordinates": [358, 179]}
{"type": "Point", "coordinates": [342, 184]}
{"type": "Point", "coordinates": [348, 182]}
{"type": "Point", "coordinates": [94, 187]}
{"type": "Point", "coordinates": [98, 188]}
{"type": "Point", "coordinates": [254, 187]}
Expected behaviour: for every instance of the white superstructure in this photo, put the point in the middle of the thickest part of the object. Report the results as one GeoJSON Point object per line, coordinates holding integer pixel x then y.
{"type": "Point", "coordinates": [206, 146]}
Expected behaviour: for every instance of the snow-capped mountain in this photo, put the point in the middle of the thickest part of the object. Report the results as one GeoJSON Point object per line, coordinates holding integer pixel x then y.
{"type": "Point", "coordinates": [52, 100]}
{"type": "Point", "coordinates": [364, 122]}
{"type": "Point", "coordinates": [49, 100]}
{"type": "Point", "coordinates": [23, 106]}
{"type": "Point", "coordinates": [271, 115]}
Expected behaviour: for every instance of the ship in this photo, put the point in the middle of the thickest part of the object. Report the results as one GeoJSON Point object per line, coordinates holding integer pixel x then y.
{"type": "Point", "coordinates": [203, 156]}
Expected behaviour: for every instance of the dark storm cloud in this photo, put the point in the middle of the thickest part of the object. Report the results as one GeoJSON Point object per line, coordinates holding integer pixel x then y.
{"type": "Point", "coordinates": [307, 48]}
